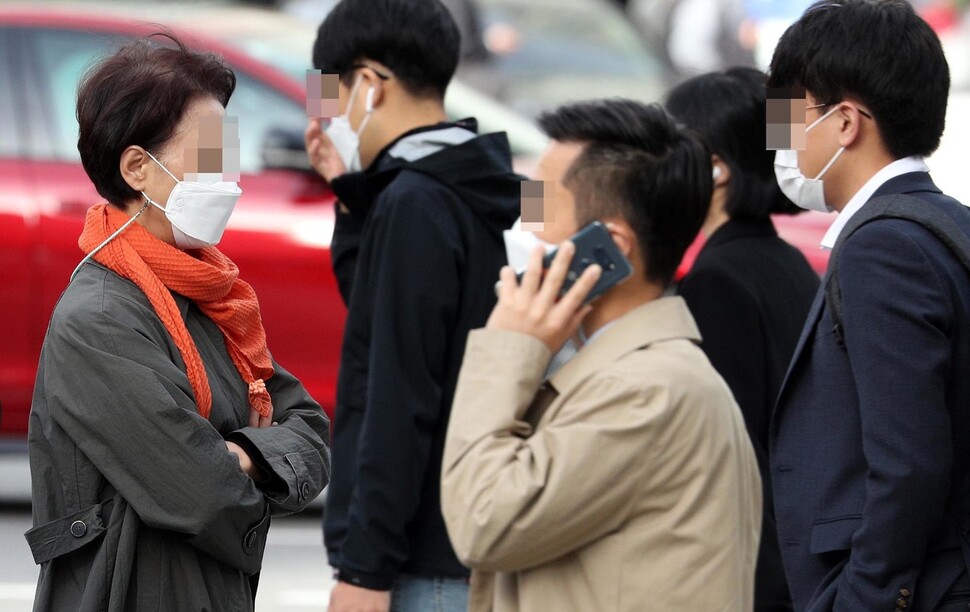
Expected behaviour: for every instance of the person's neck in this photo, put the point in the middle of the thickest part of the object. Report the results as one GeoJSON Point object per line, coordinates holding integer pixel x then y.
{"type": "Point", "coordinates": [612, 306]}
{"type": "Point", "coordinates": [400, 121]}
{"type": "Point", "coordinates": [717, 215]}
{"type": "Point", "coordinates": [855, 175]}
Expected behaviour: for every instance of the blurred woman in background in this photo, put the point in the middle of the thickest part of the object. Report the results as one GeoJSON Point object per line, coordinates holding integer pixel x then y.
{"type": "Point", "coordinates": [748, 290]}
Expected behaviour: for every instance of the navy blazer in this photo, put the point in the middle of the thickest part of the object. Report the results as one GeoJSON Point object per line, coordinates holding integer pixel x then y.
{"type": "Point", "coordinates": [870, 440]}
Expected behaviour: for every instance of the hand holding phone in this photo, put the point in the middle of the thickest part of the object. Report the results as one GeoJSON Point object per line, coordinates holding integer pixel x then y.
{"type": "Point", "coordinates": [534, 306]}
{"type": "Point", "coordinates": [594, 245]}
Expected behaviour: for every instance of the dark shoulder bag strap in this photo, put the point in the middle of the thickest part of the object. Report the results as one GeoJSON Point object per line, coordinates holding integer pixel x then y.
{"type": "Point", "coordinates": [896, 206]}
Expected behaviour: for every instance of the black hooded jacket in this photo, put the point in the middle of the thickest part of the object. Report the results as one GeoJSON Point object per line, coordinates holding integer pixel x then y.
{"type": "Point", "coordinates": [416, 259]}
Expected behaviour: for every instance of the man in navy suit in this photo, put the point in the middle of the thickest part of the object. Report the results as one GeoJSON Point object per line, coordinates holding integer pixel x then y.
{"type": "Point", "coordinates": [870, 439]}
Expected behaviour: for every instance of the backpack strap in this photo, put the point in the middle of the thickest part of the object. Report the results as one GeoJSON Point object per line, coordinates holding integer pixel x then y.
{"type": "Point", "coordinates": [894, 206]}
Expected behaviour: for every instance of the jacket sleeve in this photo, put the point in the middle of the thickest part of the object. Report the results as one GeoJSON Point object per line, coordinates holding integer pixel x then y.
{"type": "Point", "coordinates": [114, 389]}
{"type": "Point", "coordinates": [896, 315]}
{"type": "Point", "coordinates": [413, 281]}
{"type": "Point", "coordinates": [514, 498]}
{"type": "Point", "coordinates": [294, 453]}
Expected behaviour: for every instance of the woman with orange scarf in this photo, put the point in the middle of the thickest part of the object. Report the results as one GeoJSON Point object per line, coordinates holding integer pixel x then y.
{"type": "Point", "coordinates": [162, 435]}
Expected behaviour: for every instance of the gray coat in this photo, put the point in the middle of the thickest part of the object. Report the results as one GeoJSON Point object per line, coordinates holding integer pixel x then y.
{"type": "Point", "coordinates": [137, 504]}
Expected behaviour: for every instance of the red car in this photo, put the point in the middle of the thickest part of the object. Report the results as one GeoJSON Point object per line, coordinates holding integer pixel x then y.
{"type": "Point", "coordinates": [280, 231]}
{"type": "Point", "coordinates": [278, 236]}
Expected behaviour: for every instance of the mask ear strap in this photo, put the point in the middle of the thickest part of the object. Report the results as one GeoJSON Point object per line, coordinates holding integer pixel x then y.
{"type": "Point", "coordinates": [369, 108]}
{"type": "Point", "coordinates": [107, 240]}
{"type": "Point", "coordinates": [821, 119]}
{"type": "Point", "coordinates": [829, 165]}
{"type": "Point", "coordinates": [161, 166]}
{"type": "Point", "coordinates": [353, 94]}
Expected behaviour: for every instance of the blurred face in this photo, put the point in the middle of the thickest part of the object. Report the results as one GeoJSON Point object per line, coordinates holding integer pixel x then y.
{"type": "Point", "coordinates": [553, 202]}
{"type": "Point", "coordinates": [204, 143]}
{"type": "Point", "coordinates": [322, 94]}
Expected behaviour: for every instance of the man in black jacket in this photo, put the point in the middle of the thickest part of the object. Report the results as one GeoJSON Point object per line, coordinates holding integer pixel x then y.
{"type": "Point", "coordinates": [416, 251]}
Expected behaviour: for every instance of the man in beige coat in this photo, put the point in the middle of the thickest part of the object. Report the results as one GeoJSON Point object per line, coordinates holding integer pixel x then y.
{"type": "Point", "coordinates": [625, 480]}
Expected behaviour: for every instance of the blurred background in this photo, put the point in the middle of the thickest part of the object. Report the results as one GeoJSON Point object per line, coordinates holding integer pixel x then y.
{"type": "Point", "coordinates": [519, 57]}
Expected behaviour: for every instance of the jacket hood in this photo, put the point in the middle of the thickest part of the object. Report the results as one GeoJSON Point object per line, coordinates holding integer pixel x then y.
{"type": "Point", "coordinates": [478, 170]}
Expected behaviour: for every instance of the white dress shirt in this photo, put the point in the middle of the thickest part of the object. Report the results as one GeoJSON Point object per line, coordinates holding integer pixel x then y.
{"type": "Point", "coordinates": [899, 167]}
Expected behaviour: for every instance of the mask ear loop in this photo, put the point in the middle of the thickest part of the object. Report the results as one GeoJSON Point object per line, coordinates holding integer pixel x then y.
{"type": "Point", "coordinates": [368, 108]}
{"type": "Point", "coordinates": [109, 239]}
{"type": "Point", "coordinates": [161, 166]}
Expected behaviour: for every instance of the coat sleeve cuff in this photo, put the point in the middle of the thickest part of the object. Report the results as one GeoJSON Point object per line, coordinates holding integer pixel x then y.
{"type": "Point", "coordinates": [365, 580]}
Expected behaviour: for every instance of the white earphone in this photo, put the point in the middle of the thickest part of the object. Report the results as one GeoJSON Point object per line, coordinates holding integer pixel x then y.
{"type": "Point", "coordinates": [716, 174]}
{"type": "Point", "coordinates": [369, 100]}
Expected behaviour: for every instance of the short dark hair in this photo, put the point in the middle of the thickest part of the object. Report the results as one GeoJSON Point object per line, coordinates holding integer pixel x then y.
{"type": "Point", "coordinates": [879, 52]}
{"type": "Point", "coordinates": [639, 165]}
{"type": "Point", "coordinates": [727, 111]}
{"type": "Point", "coordinates": [417, 40]}
{"type": "Point", "coordinates": [138, 96]}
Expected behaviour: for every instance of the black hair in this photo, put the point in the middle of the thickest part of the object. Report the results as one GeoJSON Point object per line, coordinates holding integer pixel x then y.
{"type": "Point", "coordinates": [639, 165]}
{"type": "Point", "coordinates": [878, 52]}
{"type": "Point", "coordinates": [416, 39]}
{"type": "Point", "coordinates": [138, 96]}
{"type": "Point", "coordinates": [727, 111]}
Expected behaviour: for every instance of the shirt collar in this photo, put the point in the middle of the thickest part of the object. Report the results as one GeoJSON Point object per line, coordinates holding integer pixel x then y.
{"type": "Point", "coordinates": [897, 168]}
{"type": "Point", "coordinates": [597, 333]}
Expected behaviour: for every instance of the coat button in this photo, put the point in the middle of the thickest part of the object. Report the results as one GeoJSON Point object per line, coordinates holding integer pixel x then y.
{"type": "Point", "coordinates": [250, 539]}
{"type": "Point", "coordinates": [78, 529]}
{"type": "Point", "coordinates": [305, 490]}
{"type": "Point", "coordinates": [901, 602]}
{"type": "Point", "coordinates": [905, 592]}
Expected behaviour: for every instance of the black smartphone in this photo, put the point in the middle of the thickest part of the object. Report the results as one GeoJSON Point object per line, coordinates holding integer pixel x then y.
{"type": "Point", "coordinates": [594, 245]}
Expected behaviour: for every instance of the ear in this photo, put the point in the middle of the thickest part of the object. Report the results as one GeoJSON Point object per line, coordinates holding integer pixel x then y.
{"type": "Point", "coordinates": [133, 167]}
{"type": "Point", "coordinates": [623, 235]}
{"type": "Point", "coordinates": [373, 85]}
{"type": "Point", "coordinates": [850, 121]}
{"type": "Point", "coordinates": [722, 172]}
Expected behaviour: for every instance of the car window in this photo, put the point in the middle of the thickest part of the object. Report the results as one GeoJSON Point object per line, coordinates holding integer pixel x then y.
{"type": "Point", "coordinates": [62, 56]}
{"type": "Point", "coordinates": [260, 109]}
{"type": "Point", "coordinates": [8, 134]}
{"type": "Point", "coordinates": [575, 37]}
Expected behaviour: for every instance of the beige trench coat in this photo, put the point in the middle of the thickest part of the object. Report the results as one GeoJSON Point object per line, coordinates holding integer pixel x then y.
{"type": "Point", "coordinates": [625, 482]}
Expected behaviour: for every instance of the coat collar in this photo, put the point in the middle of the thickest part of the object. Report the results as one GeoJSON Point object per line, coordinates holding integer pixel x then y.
{"type": "Point", "coordinates": [666, 318]}
{"type": "Point", "coordinates": [911, 182]}
{"type": "Point", "coordinates": [740, 228]}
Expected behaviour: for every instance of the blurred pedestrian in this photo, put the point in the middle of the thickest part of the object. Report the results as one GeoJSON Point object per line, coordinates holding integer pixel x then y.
{"type": "Point", "coordinates": [748, 289]}
{"type": "Point", "coordinates": [626, 480]}
{"type": "Point", "coordinates": [694, 36]}
{"type": "Point", "coordinates": [162, 434]}
{"type": "Point", "coordinates": [869, 454]}
{"type": "Point", "coordinates": [416, 249]}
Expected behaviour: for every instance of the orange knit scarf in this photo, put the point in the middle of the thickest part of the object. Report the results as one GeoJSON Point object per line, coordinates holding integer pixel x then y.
{"type": "Point", "coordinates": [210, 280]}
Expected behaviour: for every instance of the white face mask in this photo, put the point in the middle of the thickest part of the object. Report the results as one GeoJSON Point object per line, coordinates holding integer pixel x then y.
{"type": "Point", "coordinates": [519, 245]}
{"type": "Point", "coordinates": [804, 192]}
{"type": "Point", "coordinates": [343, 136]}
{"type": "Point", "coordinates": [198, 210]}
